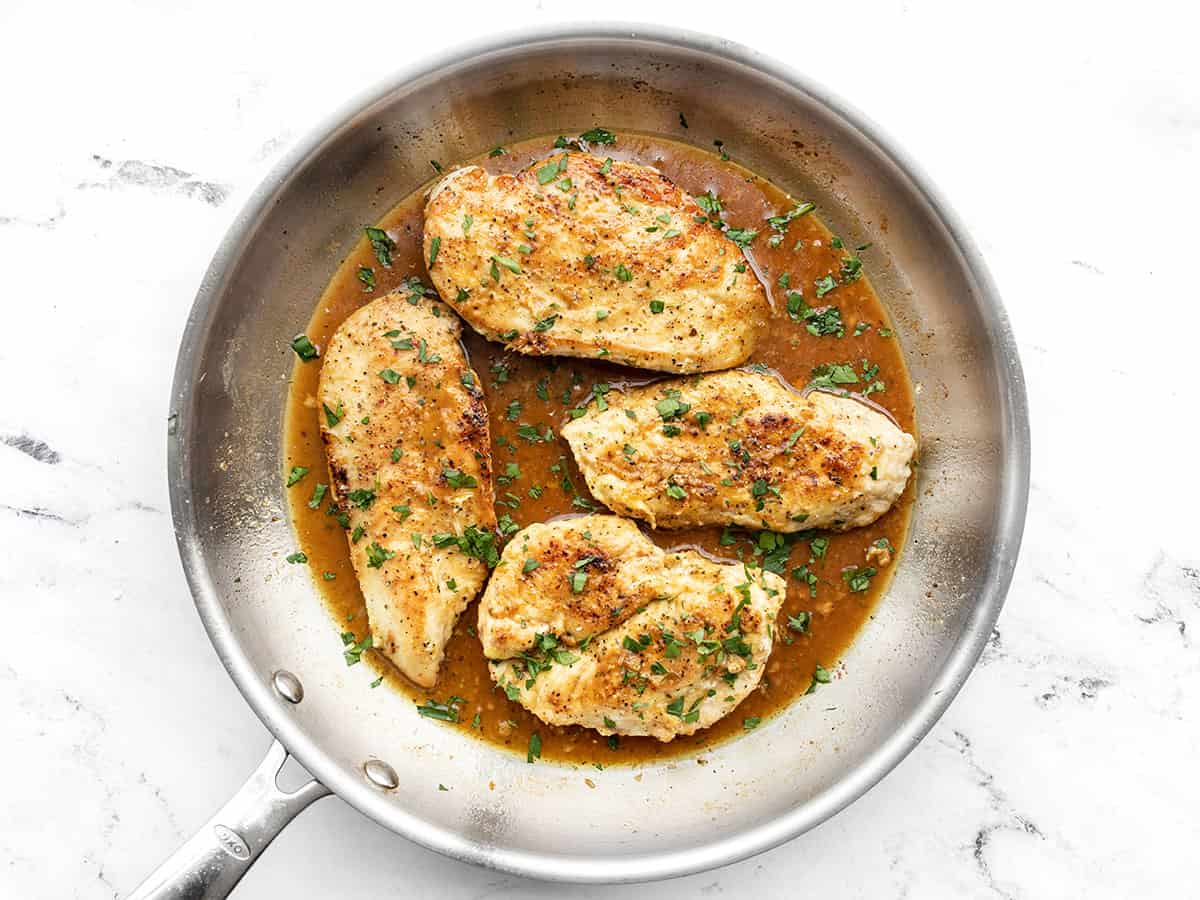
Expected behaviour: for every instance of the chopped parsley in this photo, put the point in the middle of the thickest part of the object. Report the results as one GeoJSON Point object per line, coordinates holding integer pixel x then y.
{"type": "Point", "coordinates": [710, 203]}
{"type": "Point", "coordinates": [858, 580]}
{"type": "Point", "coordinates": [824, 285]}
{"type": "Point", "coordinates": [424, 356]}
{"type": "Point", "coordinates": [458, 479]}
{"type": "Point", "coordinates": [304, 347]}
{"type": "Point", "coordinates": [377, 556]}
{"type": "Point", "coordinates": [775, 551]}
{"type": "Point", "coordinates": [820, 676]}
{"type": "Point", "coordinates": [318, 495]}
{"type": "Point", "coordinates": [791, 441]}
{"type": "Point", "coordinates": [741, 236]}
{"type": "Point", "coordinates": [675, 708]}
{"type": "Point", "coordinates": [509, 264]}
{"type": "Point", "coordinates": [361, 497]}
{"type": "Point", "coordinates": [353, 651]}
{"type": "Point", "coordinates": [297, 473]}
{"type": "Point", "coordinates": [820, 321]}
{"type": "Point", "coordinates": [827, 320]}
{"type": "Point", "coordinates": [671, 407]}
{"type": "Point", "coordinates": [635, 645]}
{"type": "Point", "coordinates": [479, 543]}
{"type": "Point", "coordinates": [551, 170]}
{"type": "Point", "coordinates": [800, 622]}
{"type": "Point", "coordinates": [598, 136]}
{"type": "Point", "coordinates": [530, 433]}
{"type": "Point", "coordinates": [832, 374]}
{"type": "Point", "coordinates": [382, 244]}
{"type": "Point", "coordinates": [796, 306]}
{"type": "Point", "coordinates": [781, 223]}
{"type": "Point", "coordinates": [442, 712]}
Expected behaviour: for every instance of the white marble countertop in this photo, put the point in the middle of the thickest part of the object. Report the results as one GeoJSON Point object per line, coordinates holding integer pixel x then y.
{"type": "Point", "coordinates": [1067, 139]}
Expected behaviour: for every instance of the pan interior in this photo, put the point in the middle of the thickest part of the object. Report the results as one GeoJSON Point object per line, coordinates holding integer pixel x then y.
{"type": "Point", "coordinates": [559, 821]}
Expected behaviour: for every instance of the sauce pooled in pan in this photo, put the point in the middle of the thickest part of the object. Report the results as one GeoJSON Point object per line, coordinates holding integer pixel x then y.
{"type": "Point", "coordinates": [830, 593]}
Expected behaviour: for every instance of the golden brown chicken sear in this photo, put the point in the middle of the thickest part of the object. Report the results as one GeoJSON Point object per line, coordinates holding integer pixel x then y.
{"type": "Point", "coordinates": [590, 623]}
{"type": "Point", "coordinates": [406, 436]}
{"type": "Point", "coordinates": [601, 259]}
{"type": "Point", "coordinates": [740, 448]}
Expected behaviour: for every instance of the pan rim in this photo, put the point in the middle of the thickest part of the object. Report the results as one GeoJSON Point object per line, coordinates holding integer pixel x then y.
{"type": "Point", "coordinates": [959, 663]}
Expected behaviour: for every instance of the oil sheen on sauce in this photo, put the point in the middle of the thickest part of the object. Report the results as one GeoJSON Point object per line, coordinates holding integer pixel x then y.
{"type": "Point", "coordinates": [807, 253]}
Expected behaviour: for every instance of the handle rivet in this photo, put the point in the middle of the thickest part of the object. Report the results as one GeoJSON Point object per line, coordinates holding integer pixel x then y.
{"type": "Point", "coordinates": [288, 686]}
{"type": "Point", "coordinates": [381, 774]}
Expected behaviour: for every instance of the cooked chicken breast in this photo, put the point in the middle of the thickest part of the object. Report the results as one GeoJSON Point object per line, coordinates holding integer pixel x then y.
{"type": "Point", "coordinates": [579, 256]}
{"type": "Point", "coordinates": [741, 448]}
{"type": "Point", "coordinates": [406, 435]}
{"type": "Point", "coordinates": [590, 623]}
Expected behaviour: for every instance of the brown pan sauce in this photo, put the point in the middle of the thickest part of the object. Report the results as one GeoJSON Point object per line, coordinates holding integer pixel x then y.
{"type": "Point", "coordinates": [808, 252]}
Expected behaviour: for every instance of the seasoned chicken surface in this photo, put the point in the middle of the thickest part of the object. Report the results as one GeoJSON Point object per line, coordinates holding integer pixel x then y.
{"type": "Point", "coordinates": [578, 256]}
{"type": "Point", "coordinates": [590, 623]}
{"type": "Point", "coordinates": [406, 435]}
{"type": "Point", "coordinates": [740, 448]}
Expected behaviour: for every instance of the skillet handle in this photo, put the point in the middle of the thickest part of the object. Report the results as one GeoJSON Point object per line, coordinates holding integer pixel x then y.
{"type": "Point", "coordinates": [214, 859]}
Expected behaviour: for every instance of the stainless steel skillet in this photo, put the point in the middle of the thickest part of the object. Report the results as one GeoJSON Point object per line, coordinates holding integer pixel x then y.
{"type": "Point", "coordinates": [368, 746]}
